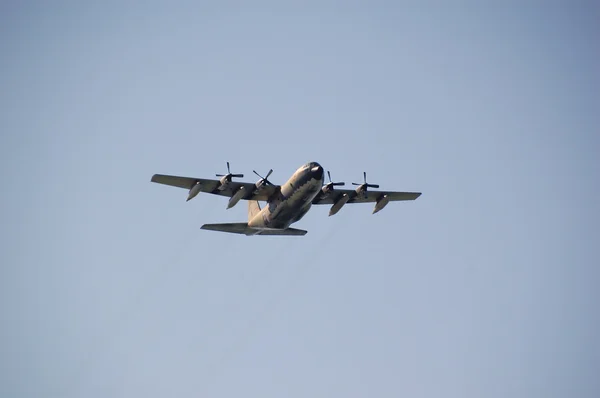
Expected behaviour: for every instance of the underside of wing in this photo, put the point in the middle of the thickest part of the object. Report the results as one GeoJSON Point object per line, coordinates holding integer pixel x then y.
{"type": "Point", "coordinates": [368, 197]}
{"type": "Point", "coordinates": [175, 181]}
{"type": "Point", "coordinates": [392, 196]}
{"type": "Point", "coordinates": [245, 190]}
{"type": "Point", "coordinates": [340, 197]}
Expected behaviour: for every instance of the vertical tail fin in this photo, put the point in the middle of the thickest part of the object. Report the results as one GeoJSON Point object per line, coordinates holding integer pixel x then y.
{"type": "Point", "coordinates": [253, 209]}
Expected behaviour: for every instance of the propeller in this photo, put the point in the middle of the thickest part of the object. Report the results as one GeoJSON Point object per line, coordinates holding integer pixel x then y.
{"type": "Point", "coordinates": [229, 175]}
{"type": "Point", "coordinates": [365, 183]}
{"type": "Point", "coordinates": [333, 184]}
{"type": "Point", "coordinates": [263, 180]}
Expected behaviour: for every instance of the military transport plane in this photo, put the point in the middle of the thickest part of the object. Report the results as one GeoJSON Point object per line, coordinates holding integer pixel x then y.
{"type": "Point", "coordinates": [287, 203]}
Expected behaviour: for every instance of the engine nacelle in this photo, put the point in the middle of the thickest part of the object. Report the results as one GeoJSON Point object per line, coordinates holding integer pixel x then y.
{"type": "Point", "coordinates": [381, 203]}
{"type": "Point", "coordinates": [195, 190]}
{"type": "Point", "coordinates": [327, 189]}
{"type": "Point", "coordinates": [224, 182]}
{"type": "Point", "coordinates": [236, 197]}
{"type": "Point", "coordinates": [361, 190]}
{"type": "Point", "coordinates": [339, 204]}
{"type": "Point", "coordinates": [260, 184]}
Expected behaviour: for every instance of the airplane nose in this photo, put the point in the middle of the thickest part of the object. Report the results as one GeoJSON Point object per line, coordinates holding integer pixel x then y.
{"type": "Point", "coordinates": [317, 172]}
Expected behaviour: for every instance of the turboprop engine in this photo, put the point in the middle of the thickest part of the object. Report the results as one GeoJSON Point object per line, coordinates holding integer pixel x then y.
{"type": "Point", "coordinates": [226, 178]}
{"type": "Point", "coordinates": [263, 180]}
{"type": "Point", "coordinates": [362, 188]}
{"type": "Point", "coordinates": [328, 188]}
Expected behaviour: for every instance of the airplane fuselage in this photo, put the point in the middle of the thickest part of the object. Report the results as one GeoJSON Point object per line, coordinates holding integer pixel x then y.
{"type": "Point", "coordinates": [293, 200]}
{"type": "Point", "coordinates": [285, 204]}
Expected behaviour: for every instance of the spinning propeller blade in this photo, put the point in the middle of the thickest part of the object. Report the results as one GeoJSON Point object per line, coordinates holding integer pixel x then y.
{"type": "Point", "coordinates": [265, 179]}
{"type": "Point", "coordinates": [334, 184]}
{"type": "Point", "coordinates": [365, 183]}
{"type": "Point", "coordinates": [229, 175]}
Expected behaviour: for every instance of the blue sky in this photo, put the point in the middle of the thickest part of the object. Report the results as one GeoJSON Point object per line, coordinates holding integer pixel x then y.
{"type": "Point", "coordinates": [487, 285]}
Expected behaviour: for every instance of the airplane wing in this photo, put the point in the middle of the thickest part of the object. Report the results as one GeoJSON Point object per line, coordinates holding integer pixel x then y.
{"type": "Point", "coordinates": [371, 196]}
{"type": "Point", "coordinates": [212, 186]}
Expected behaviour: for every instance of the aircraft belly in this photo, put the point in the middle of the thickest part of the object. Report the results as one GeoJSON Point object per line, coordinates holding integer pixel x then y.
{"type": "Point", "coordinates": [293, 204]}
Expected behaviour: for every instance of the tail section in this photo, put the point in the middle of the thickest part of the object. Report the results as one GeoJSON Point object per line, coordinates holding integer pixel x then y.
{"type": "Point", "coordinates": [253, 209]}
{"type": "Point", "coordinates": [242, 228]}
{"type": "Point", "coordinates": [233, 228]}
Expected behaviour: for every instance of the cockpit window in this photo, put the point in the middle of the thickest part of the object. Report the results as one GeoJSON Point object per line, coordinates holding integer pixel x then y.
{"type": "Point", "coordinates": [305, 167]}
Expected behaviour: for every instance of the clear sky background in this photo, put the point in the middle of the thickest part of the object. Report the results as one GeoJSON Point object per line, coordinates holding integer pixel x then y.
{"type": "Point", "coordinates": [486, 286]}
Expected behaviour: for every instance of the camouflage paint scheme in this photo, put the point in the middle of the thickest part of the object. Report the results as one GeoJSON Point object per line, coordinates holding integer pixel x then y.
{"type": "Point", "coordinates": [285, 204]}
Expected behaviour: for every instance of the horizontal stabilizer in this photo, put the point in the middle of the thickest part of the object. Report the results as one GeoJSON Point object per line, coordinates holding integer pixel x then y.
{"type": "Point", "coordinates": [242, 228]}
